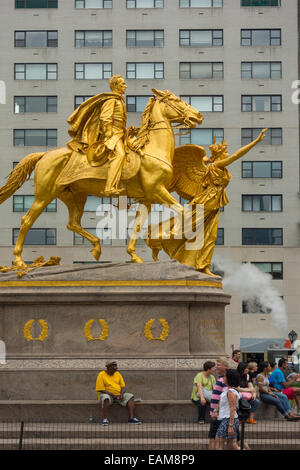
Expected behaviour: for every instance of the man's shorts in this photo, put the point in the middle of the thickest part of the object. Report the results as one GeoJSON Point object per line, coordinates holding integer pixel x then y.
{"type": "Point", "coordinates": [289, 392]}
{"type": "Point", "coordinates": [123, 402]}
{"type": "Point", "coordinates": [214, 425]}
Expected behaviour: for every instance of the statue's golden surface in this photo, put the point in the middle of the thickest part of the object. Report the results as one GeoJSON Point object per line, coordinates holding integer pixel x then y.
{"type": "Point", "coordinates": [104, 158]}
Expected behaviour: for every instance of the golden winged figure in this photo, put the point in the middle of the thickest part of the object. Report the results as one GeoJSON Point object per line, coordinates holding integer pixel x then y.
{"type": "Point", "coordinates": [202, 181]}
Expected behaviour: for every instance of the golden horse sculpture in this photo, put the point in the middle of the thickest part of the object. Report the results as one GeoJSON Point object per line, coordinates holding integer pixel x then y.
{"type": "Point", "coordinates": [149, 185]}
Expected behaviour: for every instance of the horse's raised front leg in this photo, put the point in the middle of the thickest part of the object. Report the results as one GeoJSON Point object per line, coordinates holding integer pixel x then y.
{"type": "Point", "coordinates": [161, 195]}
{"type": "Point", "coordinates": [142, 213]}
{"type": "Point", "coordinates": [75, 203]}
{"type": "Point", "coordinates": [27, 221]}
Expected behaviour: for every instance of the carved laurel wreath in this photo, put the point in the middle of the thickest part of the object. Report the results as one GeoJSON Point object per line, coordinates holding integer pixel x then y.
{"type": "Point", "coordinates": [44, 332]}
{"type": "Point", "coordinates": [88, 334]}
{"type": "Point", "coordinates": [164, 333]}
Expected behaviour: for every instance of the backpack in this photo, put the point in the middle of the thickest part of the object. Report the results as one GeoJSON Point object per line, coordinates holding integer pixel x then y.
{"type": "Point", "coordinates": [244, 408]}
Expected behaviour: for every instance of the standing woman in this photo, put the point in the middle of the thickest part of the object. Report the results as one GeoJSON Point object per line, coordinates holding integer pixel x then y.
{"type": "Point", "coordinates": [248, 391]}
{"type": "Point", "coordinates": [227, 412]}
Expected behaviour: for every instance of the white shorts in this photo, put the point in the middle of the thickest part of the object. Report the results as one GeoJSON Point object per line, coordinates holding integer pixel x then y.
{"type": "Point", "coordinates": [123, 402]}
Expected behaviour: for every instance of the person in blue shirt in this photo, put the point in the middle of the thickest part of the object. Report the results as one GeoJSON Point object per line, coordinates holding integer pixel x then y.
{"type": "Point", "coordinates": [279, 382]}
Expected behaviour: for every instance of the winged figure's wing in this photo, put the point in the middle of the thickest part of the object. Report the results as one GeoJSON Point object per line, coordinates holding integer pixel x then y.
{"type": "Point", "coordinates": [189, 170]}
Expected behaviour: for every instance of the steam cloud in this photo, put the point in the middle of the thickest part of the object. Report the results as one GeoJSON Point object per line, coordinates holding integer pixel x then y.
{"type": "Point", "coordinates": [254, 287]}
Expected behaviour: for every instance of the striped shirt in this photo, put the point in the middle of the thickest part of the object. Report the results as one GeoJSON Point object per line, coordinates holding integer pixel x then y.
{"type": "Point", "coordinates": [216, 394]}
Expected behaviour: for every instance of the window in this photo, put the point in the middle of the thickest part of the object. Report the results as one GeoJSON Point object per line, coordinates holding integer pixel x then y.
{"type": "Point", "coordinates": [78, 100]}
{"type": "Point", "coordinates": [209, 104]}
{"type": "Point", "coordinates": [253, 305]}
{"type": "Point", "coordinates": [261, 70]}
{"type": "Point", "coordinates": [275, 269]}
{"type": "Point", "coordinates": [203, 137]}
{"type": "Point", "coordinates": [261, 103]}
{"type": "Point", "coordinates": [145, 3]}
{"type": "Point", "coordinates": [103, 233]}
{"type": "Point", "coordinates": [35, 137]}
{"type": "Point", "coordinates": [220, 237]}
{"type": "Point", "coordinates": [273, 136]}
{"type": "Point", "coordinates": [93, 3]}
{"type": "Point", "coordinates": [145, 38]}
{"type": "Point", "coordinates": [36, 38]}
{"type": "Point", "coordinates": [35, 71]}
{"type": "Point", "coordinates": [145, 70]}
{"type": "Point", "coordinates": [201, 70]}
{"type": "Point", "coordinates": [260, 3]}
{"type": "Point", "coordinates": [93, 38]}
{"type": "Point", "coordinates": [37, 236]}
{"type": "Point", "coordinates": [201, 37]}
{"type": "Point", "coordinates": [262, 202]}
{"type": "Point", "coordinates": [136, 104]}
{"type": "Point", "coordinates": [36, 3]}
{"type": "Point", "coordinates": [262, 169]}
{"type": "Point", "coordinates": [35, 104]}
{"type": "Point", "coordinates": [93, 71]}
{"type": "Point", "coordinates": [262, 236]}
{"type": "Point", "coordinates": [94, 203]}
{"type": "Point", "coordinates": [23, 204]}
{"type": "Point", "coordinates": [200, 3]}
{"type": "Point", "coordinates": [261, 37]}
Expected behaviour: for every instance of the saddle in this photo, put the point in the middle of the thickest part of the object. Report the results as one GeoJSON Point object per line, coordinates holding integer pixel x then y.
{"type": "Point", "coordinates": [78, 168]}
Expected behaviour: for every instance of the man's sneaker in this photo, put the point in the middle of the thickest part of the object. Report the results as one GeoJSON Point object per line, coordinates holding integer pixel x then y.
{"type": "Point", "coordinates": [134, 421]}
{"type": "Point", "coordinates": [105, 422]}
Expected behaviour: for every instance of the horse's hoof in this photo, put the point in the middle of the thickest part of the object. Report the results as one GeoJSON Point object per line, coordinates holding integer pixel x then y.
{"type": "Point", "coordinates": [96, 252]}
{"type": "Point", "coordinates": [136, 259]}
{"type": "Point", "coordinates": [19, 263]}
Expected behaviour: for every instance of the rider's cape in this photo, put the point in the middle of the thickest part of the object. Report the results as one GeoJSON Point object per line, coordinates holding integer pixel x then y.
{"type": "Point", "coordinates": [85, 124]}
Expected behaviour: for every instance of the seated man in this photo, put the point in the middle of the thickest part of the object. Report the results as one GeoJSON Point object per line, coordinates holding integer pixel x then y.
{"type": "Point", "coordinates": [280, 383]}
{"type": "Point", "coordinates": [111, 387]}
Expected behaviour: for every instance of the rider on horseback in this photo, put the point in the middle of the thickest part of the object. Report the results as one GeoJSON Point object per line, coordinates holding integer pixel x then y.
{"type": "Point", "coordinates": [98, 128]}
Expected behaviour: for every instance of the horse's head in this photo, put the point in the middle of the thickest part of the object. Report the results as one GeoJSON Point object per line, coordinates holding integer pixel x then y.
{"type": "Point", "coordinates": [177, 110]}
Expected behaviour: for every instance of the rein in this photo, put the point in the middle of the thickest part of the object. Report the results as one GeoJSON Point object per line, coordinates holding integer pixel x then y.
{"type": "Point", "coordinates": [188, 130]}
{"type": "Point", "coordinates": [151, 127]}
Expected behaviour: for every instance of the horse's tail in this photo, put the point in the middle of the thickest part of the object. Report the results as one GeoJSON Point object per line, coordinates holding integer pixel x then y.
{"type": "Point", "coordinates": [19, 175]}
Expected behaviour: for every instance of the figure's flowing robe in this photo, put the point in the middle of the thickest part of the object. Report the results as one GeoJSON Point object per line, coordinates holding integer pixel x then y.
{"type": "Point", "coordinates": [213, 197]}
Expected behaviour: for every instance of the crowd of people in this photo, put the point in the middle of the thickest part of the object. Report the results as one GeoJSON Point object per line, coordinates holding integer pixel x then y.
{"type": "Point", "coordinates": [266, 382]}
{"type": "Point", "coordinates": [218, 391]}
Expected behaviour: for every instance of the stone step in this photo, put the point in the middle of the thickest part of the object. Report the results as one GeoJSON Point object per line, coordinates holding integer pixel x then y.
{"type": "Point", "coordinates": [82, 410]}
{"type": "Point", "coordinates": [139, 444]}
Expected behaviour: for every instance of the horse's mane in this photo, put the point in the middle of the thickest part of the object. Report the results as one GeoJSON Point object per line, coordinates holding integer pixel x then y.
{"type": "Point", "coordinates": [143, 134]}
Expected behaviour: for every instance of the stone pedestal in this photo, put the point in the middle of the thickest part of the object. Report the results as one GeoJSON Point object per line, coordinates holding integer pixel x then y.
{"type": "Point", "coordinates": [161, 321]}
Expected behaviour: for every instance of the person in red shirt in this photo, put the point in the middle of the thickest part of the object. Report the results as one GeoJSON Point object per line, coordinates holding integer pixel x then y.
{"type": "Point", "coordinates": [236, 356]}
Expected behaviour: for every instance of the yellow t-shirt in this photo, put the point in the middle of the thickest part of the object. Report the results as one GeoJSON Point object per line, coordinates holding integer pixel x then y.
{"type": "Point", "coordinates": [111, 383]}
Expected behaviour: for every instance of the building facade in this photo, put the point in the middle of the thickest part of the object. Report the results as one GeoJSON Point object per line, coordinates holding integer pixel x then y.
{"type": "Point", "coordinates": [235, 60]}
